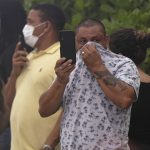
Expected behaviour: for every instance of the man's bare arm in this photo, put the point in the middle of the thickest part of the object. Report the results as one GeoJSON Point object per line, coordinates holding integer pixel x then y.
{"type": "Point", "coordinates": [50, 101]}
{"type": "Point", "coordinates": [19, 60]}
{"type": "Point", "coordinates": [10, 90]}
{"type": "Point", "coordinates": [54, 137]}
{"type": "Point", "coordinates": [116, 90]}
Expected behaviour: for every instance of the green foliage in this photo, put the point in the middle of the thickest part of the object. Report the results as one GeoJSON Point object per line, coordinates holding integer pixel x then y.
{"type": "Point", "coordinates": [114, 14]}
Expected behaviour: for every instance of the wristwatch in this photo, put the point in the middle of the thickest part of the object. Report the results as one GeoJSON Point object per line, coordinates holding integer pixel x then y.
{"type": "Point", "coordinates": [47, 147]}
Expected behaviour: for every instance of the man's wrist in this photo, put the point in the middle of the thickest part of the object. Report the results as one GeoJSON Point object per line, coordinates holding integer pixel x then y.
{"type": "Point", "coordinates": [14, 75]}
{"type": "Point", "coordinates": [98, 68]}
{"type": "Point", "coordinates": [97, 71]}
{"type": "Point", "coordinates": [62, 81]}
{"type": "Point", "coordinates": [47, 147]}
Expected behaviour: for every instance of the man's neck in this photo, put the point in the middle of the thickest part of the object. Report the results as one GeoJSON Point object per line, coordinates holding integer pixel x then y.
{"type": "Point", "coordinates": [45, 46]}
{"type": "Point", "coordinates": [46, 42]}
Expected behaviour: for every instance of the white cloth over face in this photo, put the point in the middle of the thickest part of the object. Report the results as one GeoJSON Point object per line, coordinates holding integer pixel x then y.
{"type": "Point", "coordinates": [91, 121]}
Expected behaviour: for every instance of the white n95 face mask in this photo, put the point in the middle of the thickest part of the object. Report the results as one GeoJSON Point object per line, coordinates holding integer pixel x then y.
{"type": "Point", "coordinates": [29, 38]}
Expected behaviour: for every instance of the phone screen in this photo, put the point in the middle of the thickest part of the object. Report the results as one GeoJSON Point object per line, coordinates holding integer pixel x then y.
{"type": "Point", "coordinates": [67, 45]}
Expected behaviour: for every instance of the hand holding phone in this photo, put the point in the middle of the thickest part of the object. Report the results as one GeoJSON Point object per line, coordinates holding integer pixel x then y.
{"type": "Point", "coordinates": [67, 45]}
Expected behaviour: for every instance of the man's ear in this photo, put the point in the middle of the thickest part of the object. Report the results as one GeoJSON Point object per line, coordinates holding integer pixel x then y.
{"type": "Point", "coordinates": [107, 40]}
{"type": "Point", "coordinates": [104, 41]}
{"type": "Point", "coordinates": [49, 26]}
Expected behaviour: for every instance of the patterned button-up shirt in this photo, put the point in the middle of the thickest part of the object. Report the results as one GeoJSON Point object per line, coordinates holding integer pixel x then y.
{"type": "Point", "coordinates": [91, 120]}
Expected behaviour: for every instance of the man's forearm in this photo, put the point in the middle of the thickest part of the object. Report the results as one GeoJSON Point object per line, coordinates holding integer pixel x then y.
{"type": "Point", "coordinates": [116, 90]}
{"type": "Point", "coordinates": [54, 137]}
{"type": "Point", "coordinates": [10, 90]}
{"type": "Point", "coordinates": [50, 101]}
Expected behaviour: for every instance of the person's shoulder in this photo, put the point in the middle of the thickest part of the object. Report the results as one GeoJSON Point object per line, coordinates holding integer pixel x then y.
{"type": "Point", "coordinates": [122, 58]}
{"type": "Point", "coordinates": [145, 78]}
{"type": "Point", "coordinates": [53, 48]}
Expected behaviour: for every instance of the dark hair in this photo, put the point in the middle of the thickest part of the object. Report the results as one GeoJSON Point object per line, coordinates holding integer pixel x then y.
{"type": "Point", "coordinates": [52, 13]}
{"type": "Point", "coordinates": [130, 43]}
{"type": "Point", "coordinates": [91, 22]}
{"type": "Point", "coordinates": [13, 19]}
{"type": "Point", "coordinates": [1, 96]}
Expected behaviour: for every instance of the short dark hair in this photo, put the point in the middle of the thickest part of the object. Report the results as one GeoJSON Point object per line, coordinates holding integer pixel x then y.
{"type": "Point", "coordinates": [52, 13]}
{"type": "Point", "coordinates": [1, 96]}
{"type": "Point", "coordinates": [130, 43]}
{"type": "Point", "coordinates": [13, 19]}
{"type": "Point", "coordinates": [91, 22]}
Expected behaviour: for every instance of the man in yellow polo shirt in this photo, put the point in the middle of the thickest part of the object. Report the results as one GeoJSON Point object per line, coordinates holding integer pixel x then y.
{"type": "Point", "coordinates": [31, 75]}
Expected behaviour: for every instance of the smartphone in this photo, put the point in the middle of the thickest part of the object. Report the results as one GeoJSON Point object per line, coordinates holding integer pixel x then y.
{"type": "Point", "coordinates": [67, 45]}
{"type": "Point", "coordinates": [23, 44]}
{"type": "Point", "coordinates": [21, 40]}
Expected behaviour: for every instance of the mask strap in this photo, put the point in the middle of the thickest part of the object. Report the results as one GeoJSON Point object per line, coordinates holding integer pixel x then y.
{"type": "Point", "coordinates": [40, 24]}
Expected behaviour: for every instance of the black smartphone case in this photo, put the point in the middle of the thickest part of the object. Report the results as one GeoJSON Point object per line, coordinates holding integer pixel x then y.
{"type": "Point", "coordinates": [21, 39]}
{"type": "Point", "coordinates": [67, 45]}
{"type": "Point", "coordinates": [23, 44]}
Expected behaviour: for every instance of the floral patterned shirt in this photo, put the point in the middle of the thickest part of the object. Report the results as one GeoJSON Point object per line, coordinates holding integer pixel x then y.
{"type": "Point", "coordinates": [91, 121]}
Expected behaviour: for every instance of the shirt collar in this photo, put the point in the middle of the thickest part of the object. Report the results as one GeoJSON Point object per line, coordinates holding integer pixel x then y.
{"type": "Point", "coordinates": [50, 50]}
